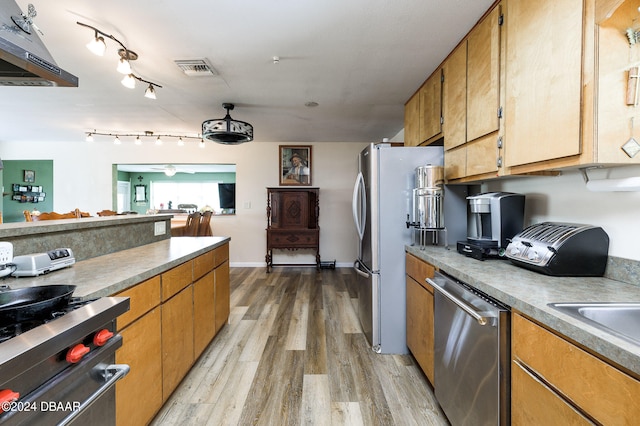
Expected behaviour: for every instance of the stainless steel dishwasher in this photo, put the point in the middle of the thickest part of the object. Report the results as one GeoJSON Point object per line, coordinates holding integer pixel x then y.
{"type": "Point", "coordinates": [472, 354]}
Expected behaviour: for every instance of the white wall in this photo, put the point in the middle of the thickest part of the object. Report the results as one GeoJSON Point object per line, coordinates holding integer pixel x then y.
{"type": "Point", "coordinates": [565, 198]}
{"type": "Point", "coordinates": [83, 178]}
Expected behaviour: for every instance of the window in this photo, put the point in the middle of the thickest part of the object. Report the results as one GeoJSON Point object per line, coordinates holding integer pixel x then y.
{"type": "Point", "coordinates": [202, 194]}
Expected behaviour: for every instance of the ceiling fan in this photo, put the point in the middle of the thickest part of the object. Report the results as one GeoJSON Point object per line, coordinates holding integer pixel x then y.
{"type": "Point", "coordinates": [171, 170]}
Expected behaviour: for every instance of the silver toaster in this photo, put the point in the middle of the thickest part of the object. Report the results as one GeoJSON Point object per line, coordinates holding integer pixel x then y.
{"type": "Point", "coordinates": [31, 265]}
{"type": "Point", "coordinates": [561, 249]}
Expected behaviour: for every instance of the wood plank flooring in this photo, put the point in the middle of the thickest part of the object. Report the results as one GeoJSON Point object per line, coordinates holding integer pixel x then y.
{"type": "Point", "coordinates": [293, 353]}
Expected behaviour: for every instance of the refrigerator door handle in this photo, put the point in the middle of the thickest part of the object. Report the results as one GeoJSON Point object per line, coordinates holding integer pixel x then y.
{"type": "Point", "coordinates": [356, 267]}
{"type": "Point", "coordinates": [359, 216]}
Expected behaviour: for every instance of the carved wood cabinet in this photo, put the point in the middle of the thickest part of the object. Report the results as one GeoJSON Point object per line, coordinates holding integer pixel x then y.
{"type": "Point", "coordinates": [292, 221]}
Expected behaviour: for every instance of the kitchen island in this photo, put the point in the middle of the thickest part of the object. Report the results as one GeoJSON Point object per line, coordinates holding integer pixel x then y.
{"type": "Point", "coordinates": [180, 298]}
{"type": "Point", "coordinates": [563, 370]}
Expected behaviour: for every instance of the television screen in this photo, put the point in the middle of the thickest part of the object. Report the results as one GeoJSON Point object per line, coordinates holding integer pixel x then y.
{"type": "Point", "coordinates": [227, 194]}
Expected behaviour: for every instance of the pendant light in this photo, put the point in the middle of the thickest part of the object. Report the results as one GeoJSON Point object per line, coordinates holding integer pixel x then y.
{"type": "Point", "coordinates": [226, 130]}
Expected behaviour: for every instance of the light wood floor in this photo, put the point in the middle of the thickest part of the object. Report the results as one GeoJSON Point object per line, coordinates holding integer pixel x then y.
{"type": "Point", "coordinates": [293, 353]}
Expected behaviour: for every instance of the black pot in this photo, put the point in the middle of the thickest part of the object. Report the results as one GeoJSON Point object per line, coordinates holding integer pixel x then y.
{"type": "Point", "coordinates": [32, 303]}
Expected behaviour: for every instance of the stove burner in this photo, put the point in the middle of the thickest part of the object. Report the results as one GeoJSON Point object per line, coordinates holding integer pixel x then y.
{"type": "Point", "coordinates": [17, 328]}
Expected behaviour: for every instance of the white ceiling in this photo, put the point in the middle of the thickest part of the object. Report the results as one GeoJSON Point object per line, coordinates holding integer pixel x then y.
{"type": "Point", "coordinates": [360, 60]}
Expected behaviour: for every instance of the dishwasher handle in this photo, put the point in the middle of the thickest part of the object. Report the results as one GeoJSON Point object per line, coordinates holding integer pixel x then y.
{"type": "Point", "coordinates": [482, 319]}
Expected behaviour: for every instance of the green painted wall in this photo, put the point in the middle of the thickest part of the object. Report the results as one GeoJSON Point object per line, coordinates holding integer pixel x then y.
{"type": "Point", "coordinates": [13, 173]}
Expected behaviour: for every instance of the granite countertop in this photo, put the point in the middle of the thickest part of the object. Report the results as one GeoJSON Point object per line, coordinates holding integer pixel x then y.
{"type": "Point", "coordinates": [109, 274]}
{"type": "Point", "coordinates": [530, 292]}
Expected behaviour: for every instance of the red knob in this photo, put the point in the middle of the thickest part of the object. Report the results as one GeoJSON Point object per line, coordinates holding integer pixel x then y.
{"type": "Point", "coordinates": [102, 337]}
{"type": "Point", "coordinates": [76, 353]}
{"type": "Point", "coordinates": [6, 396]}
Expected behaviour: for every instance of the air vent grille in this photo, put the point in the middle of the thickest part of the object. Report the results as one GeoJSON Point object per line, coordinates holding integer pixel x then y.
{"type": "Point", "coordinates": [196, 67]}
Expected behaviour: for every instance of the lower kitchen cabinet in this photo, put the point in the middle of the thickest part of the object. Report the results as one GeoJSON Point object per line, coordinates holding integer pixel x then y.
{"type": "Point", "coordinates": [173, 317]}
{"type": "Point", "coordinates": [177, 339]}
{"type": "Point", "coordinates": [420, 313]}
{"type": "Point", "coordinates": [204, 313]}
{"type": "Point", "coordinates": [556, 382]}
{"type": "Point", "coordinates": [139, 393]}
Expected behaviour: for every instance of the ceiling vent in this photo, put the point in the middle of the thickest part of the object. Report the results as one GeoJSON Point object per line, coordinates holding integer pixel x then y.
{"type": "Point", "coordinates": [196, 67]}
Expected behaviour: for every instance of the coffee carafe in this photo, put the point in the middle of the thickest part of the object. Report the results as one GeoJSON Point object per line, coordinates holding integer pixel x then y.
{"type": "Point", "coordinates": [428, 199]}
{"type": "Point", "coordinates": [493, 219]}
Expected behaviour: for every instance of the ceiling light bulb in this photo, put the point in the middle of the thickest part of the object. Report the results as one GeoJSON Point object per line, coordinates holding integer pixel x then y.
{"type": "Point", "coordinates": [150, 92]}
{"type": "Point", "coordinates": [180, 142]}
{"type": "Point", "coordinates": [97, 45]}
{"type": "Point", "coordinates": [89, 137]}
{"type": "Point", "coordinates": [201, 144]}
{"type": "Point", "coordinates": [123, 66]}
{"type": "Point", "coordinates": [138, 141]}
{"type": "Point", "coordinates": [128, 81]}
{"type": "Point", "coordinates": [117, 140]}
{"type": "Point", "coordinates": [158, 141]}
{"type": "Point", "coordinates": [170, 171]}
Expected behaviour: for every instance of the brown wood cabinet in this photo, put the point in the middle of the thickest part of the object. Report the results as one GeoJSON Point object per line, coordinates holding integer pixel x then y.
{"type": "Point", "coordinates": [292, 221]}
{"type": "Point", "coordinates": [172, 319]}
{"type": "Point", "coordinates": [423, 112]}
{"type": "Point", "coordinates": [556, 382]}
{"type": "Point", "coordinates": [139, 393]}
{"type": "Point", "coordinates": [471, 101]}
{"type": "Point", "coordinates": [420, 313]}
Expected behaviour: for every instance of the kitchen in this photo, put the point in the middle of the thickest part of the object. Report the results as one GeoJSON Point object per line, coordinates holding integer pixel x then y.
{"type": "Point", "coordinates": [557, 198]}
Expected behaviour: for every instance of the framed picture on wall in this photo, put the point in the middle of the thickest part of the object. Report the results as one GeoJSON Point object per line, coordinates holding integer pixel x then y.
{"type": "Point", "coordinates": [295, 165]}
{"type": "Point", "coordinates": [29, 176]}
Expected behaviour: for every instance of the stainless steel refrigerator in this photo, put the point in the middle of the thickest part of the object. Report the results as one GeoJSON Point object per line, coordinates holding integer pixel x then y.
{"type": "Point", "coordinates": [382, 198]}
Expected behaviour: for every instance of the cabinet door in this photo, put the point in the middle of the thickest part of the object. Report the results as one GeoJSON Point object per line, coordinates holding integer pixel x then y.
{"type": "Point", "coordinates": [177, 339]}
{"type": "Point", "coordinates": [543, 80]}
{"type": "Point", "coordinates": [420, 326]}
{"type": "Point", "coordinates": [295, 209]}
{"type": "Point", "coordinates": [596, 387]}
{"type": "Point", "coordinates": [454, 98]}
{"type": "Point", "coordinates": [412, 121]}
{"type": "Point", "coordinates": [534, 403]}
{"type": "Point", "coordinates": [431, 107]}
{"type": "Point", "coordinates": [483, 77]}
{"type": "Point", "coordinates": [222, 295]}
{"type": "Point", "coordinates": [204, 314]}
{"type": "Point", "coordinates": [139, 393]}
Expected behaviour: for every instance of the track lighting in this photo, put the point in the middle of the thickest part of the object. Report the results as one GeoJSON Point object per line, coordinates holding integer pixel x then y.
{"type": "Point", "coordinates": [150, 92]}
{"type": "Point", "coordinates": [139, 137]}
{"type": "Point", "coordinates": [98, 47]}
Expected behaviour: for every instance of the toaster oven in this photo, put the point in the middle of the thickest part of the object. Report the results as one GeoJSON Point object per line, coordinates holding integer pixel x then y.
{"type": "Point", "coordinates": [561, 249]}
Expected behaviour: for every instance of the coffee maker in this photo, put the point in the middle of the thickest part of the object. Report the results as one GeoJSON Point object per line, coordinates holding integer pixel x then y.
{"type": "Point", "coordinates": [493, 219]}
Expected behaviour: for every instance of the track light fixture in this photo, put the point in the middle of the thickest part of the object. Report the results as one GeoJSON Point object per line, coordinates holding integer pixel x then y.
{"type": "Point", "coordinates": [98, 47]}
{"type": "Point", "coordinates": [140, 136]}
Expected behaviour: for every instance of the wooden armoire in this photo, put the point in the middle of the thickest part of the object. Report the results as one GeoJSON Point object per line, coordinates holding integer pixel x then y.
{"type": "Point", "coordinates": [292, 221]}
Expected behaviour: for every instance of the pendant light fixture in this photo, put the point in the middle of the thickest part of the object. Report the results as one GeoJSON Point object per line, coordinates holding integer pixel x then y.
{"type": "Point", "coordinates": [226, 130]}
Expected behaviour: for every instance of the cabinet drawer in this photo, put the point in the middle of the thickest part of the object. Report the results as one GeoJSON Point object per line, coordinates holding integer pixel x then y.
{"type": "Point", "coordinates": [601, 390]}
{"type": "Point", "coordinates": [176, 279]}
{"type": "Point", "coordinates": [534, 403]}
{"type": "Point", "coordinates": [203, 264]}
{"type": "Point", "coordinates": [289, 239]}
{"type": "Point", "coordinates": [221, 255]}
{"type": "Point", "coordinates": [419, 270]}
{"type": "Point", "coordinates": [142, 298]}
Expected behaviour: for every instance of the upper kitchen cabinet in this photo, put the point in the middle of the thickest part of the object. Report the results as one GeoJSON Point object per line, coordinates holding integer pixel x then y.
{"type": "Point", "coordinates": [543, 80]}
{"type": "Point", "coordinates": [570, 100]}
{"type": "Point", "coordinates": [423, 112]}
{"type": "Point", "coordinates": [471, 101]}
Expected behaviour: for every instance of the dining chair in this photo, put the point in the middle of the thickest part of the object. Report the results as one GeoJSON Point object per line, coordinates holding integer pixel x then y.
{"type": "Point", "coordinates": [50, 215]}
{"type": "Point", "coordinates": [107, 213]}
{"type": "Point", "coordinates": [192, 225]}
{"type": "Point", "coordinates": [204, 228]}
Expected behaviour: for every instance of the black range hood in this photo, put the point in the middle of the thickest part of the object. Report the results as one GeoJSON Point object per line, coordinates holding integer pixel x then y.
{"type": "Point", "coordinates": [24, 59]}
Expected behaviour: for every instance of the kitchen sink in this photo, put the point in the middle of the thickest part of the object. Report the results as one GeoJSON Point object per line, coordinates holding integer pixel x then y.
{"type": "Point", "coordinates": [620, 319]}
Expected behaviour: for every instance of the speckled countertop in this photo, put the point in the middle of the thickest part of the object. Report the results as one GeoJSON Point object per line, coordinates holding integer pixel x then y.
{"type": "Point", "coordinates": [109, 274]}
{"type": "Point", "coordinates": [530, 292]}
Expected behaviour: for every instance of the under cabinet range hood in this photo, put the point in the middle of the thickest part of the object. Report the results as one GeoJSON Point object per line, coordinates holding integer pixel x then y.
{"type": "Point", "coordinates": [24, 59]}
